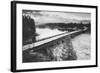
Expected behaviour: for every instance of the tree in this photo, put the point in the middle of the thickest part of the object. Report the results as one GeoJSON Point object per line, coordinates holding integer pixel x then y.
{"type": "Point", "coordinates": [28, 29]}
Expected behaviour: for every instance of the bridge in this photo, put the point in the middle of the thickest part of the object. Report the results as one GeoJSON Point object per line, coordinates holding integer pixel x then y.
{"type": "Point", "coordinates": [55, 48]}
{"type": "Point", "coordinates": [50, 39]}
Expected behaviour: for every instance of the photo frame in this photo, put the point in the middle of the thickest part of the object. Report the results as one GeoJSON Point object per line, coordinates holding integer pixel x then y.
{"type": "Point", "coordinates": [49, 36]}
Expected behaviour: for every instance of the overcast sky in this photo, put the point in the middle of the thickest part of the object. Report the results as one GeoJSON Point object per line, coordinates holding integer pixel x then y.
{"type": "Point", "coordinates": [41, 17]}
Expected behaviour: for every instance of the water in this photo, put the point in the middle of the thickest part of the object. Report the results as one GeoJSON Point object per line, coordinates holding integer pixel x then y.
{"type": "Point", "coordinates": [78, 48]}
{"type": "Point", "coordinates": [82, 46]}
{"type": "Point", "coordinates": [47, 32]}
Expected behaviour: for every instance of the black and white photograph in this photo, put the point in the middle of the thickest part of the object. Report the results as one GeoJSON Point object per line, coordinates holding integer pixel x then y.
{"type": "Point", "coordinates": [47, 36]}
{"type": "Point", "coordinates": [56, 36]}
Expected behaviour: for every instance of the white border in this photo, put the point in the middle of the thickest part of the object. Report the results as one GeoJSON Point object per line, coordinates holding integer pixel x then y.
{"type": "Point", "coordinates": [21, 66]}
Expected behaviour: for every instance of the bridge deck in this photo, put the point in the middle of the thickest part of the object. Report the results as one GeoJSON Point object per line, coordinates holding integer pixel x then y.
{"type": "Point", "coordinates": [38, 43]}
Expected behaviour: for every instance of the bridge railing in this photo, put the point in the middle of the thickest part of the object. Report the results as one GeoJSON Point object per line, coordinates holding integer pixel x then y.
{"type": "Point", "coordinates": [49, 41]}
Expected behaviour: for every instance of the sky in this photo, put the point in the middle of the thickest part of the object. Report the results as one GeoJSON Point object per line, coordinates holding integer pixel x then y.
{"type": "Point", "coordinates": [42, 17]}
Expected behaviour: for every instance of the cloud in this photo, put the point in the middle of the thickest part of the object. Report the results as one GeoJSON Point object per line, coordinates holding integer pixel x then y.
{"type": "Point", "coordinates": [42, 17]}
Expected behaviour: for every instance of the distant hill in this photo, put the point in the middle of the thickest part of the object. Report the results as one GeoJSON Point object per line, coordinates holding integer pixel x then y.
{"type": "Point", "coordinates": [67, 26]}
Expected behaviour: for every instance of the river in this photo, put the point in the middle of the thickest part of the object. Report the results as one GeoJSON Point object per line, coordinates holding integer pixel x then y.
{"type": "Point", "coordinates": [82, 46]}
